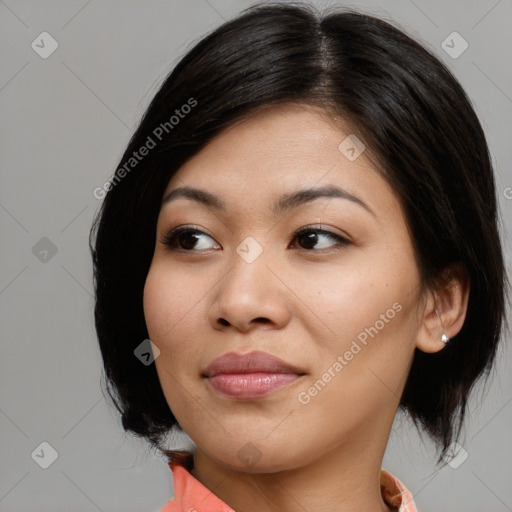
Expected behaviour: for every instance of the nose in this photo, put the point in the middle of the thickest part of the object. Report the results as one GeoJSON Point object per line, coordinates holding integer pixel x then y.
{"type": "Point", "coordinates": [250, 295]}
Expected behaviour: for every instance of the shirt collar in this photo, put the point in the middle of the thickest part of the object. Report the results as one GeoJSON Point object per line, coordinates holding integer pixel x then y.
{"type": "Point", "coordinates": [190, 495]}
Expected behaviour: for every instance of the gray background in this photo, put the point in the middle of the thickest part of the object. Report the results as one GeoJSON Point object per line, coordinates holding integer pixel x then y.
{"type": "Point", "coordinates": [64, 123]}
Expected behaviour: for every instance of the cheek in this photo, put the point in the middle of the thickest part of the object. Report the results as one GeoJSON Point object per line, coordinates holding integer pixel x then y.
{"type": "Point", "coordinates": [169, 298]}
{"type": "Point", "coordinates": [171, 305]}
{"type": "Point", "coordinates": [155, 303]}
{"type": "Point", "coordinates": [364, 308]}
{"type": "Point", "coordinates": [175, 304]}
{"type": "Point", "coordinates": [344, 299]}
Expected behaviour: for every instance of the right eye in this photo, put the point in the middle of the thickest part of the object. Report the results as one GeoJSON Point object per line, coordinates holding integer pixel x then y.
{"type": "Point", "coordinates": [185, 238]}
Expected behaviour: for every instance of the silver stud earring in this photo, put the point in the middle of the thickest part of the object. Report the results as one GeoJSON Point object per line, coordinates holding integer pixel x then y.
{"type": "Point", "coordinates": [444, 338]}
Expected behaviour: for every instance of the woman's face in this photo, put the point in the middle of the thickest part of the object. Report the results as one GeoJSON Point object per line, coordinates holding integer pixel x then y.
{"type": "Point", "coordinates": [343, 312]}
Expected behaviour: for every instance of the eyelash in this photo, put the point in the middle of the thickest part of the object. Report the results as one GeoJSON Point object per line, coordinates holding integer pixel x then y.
{"type": "Point", "coordinates": [171, 237]}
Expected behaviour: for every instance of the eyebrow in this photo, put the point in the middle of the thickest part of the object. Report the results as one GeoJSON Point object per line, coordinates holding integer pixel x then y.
{"type": "Point", "coordinates": [281, 205]}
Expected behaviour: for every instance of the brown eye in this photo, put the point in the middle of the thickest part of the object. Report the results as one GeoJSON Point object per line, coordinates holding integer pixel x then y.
{"type": "Point", "coordinates": [308, 238]}
{"type": "Point", "coordinates": [186, 239]}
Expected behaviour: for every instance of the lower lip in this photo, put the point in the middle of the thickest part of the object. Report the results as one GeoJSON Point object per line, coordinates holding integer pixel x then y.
{"type": "Point", "coordinates": [250, 385]}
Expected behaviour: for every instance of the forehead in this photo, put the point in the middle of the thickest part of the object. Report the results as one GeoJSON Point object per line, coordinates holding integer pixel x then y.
{"type": "Point", "coordinates": [280, 150]}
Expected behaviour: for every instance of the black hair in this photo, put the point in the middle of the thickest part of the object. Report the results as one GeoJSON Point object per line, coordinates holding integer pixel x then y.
{"type": "Point", "coordinates": [409, 111]}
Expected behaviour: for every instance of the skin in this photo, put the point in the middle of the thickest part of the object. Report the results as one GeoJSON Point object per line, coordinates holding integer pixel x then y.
{"type": "Point", "coordinates": [303, 303]}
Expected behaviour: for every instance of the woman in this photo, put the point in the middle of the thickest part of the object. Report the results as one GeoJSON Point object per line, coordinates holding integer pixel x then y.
{"type": "Point", "coordinates": [305, 226]}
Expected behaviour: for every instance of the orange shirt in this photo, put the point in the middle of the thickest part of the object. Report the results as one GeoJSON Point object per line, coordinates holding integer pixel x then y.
{"type": "Point", "coordinates": [190, 495]}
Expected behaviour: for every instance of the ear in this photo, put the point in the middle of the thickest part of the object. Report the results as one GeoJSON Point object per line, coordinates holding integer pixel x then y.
{"type": "Point", "coordinates": [450, 299]}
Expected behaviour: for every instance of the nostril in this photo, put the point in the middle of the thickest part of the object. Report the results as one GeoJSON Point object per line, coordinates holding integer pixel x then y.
{"type": "Point", "coordinates": [223, 321]}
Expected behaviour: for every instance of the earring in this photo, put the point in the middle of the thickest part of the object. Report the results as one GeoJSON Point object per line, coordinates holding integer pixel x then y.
{"type": "Point", "coordinates": [444, 338]}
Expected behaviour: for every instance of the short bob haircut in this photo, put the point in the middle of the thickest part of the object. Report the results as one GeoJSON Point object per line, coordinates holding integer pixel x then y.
{"type": "Point", "coordinates": [421, 132]}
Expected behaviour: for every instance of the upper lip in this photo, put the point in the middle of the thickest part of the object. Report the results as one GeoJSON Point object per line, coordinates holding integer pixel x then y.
{"type": "Point", "coordinates": [251, 362]}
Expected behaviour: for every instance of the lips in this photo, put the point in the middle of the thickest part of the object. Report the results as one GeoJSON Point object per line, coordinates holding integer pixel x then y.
{"type": "Point", "coordinates": [249, 376]}
{"type": "Point", "coordinates": [253, 362]}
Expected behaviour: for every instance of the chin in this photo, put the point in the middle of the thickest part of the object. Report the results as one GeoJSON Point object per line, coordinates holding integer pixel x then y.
{"type": "Point", "coordinates": [254, 457]}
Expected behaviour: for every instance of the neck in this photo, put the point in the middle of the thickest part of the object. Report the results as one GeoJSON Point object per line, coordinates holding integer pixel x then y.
{"type": "Point", "coordinates": [345, 479]}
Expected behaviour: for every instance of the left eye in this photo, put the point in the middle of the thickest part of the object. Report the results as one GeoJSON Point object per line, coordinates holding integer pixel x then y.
{"type": "Point", "coordinates": [186, 239]}
{"type": "Point", "coordinates": [312, 236]}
